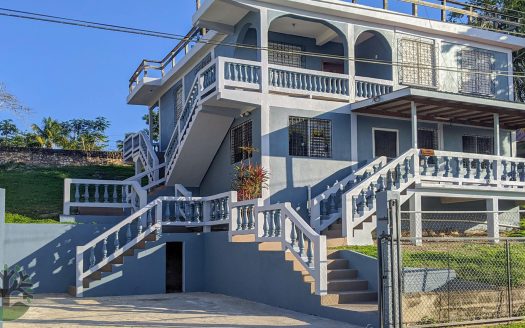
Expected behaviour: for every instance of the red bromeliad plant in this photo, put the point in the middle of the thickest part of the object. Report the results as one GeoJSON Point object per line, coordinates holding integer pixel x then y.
{"type": "Point", "coordinates": [249, 179]}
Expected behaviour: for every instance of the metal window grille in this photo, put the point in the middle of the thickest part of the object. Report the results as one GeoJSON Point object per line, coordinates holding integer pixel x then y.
{"type": "Point", "coordinates": [427, 138]}
{"type": "Point", "coordinates": [285, 54]}
{"type": "Point", "coordinates": [179, 102]}
{"type": "Point", "coordinates": [478, 144]}
{"type": "Point", "coordinates": [310, 137]}
{"type": "Point", "coordinates": [476, 72]}
{"type": "Point", "coordinates": [241, 136]}
{"type": "Point", "coordinates": [418, 63]}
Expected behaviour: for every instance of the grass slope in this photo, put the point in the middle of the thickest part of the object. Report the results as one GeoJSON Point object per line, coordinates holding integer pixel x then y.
{"type": "Point", "coordinates": [35, 194]}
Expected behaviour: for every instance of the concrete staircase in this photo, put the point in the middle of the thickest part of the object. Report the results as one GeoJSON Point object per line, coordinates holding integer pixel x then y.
{"type": "Point", "coordinates": [95, 278]}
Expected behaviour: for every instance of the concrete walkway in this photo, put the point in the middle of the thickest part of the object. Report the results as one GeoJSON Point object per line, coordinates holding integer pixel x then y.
{"type": "Point", "coordinates": [170, 310]}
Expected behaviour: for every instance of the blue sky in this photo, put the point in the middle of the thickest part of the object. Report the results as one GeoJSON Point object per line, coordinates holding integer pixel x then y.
{"type": "Point", "coordinates": [69, 72]}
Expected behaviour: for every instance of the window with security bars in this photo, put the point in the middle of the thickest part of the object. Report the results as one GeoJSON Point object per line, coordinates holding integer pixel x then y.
{"type": "Point", "coordinates": [285, 54]}
{"type": "Point", "coordinates": [179, 102]}
{"type": "Point", "coordinates": [427, 138]}
{"type": "Point", "coordinates": [241, 138]}
{"type": "Point", "coordinates": [417, 63]}
{"type": "Point", "coordinates": [478, 145]}
{"type": "Point", "coordinates": [310, 137]}
{"type": "Point", "coordinates": [476, 72]}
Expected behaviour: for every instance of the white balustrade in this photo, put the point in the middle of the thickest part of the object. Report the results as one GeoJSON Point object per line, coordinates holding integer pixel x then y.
{"type": "Point", "coordinates": [308, 82]}
{"type": "Point", "coordinates": [473, 169]}
{"type": "Point", "coordinates": [242, 216]}
{"type": "Point", "coordinates": [138, 146]}
{"type": "Point", "coordinates": [366, 87]}
{"type": "Point", "coordinates": [281, 223]}
{"type": "Point", "coordinates": [359, 203]}
{"type": "Point", "coordinates": [326, 208]}
{"type": "Point", "coordinates": [242, 71]}
{"type": "Point", "coordinates": [90, 193]}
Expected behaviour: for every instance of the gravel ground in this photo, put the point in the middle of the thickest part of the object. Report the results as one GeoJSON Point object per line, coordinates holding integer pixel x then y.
{"type": "Point", "coordinates": [170, 310]}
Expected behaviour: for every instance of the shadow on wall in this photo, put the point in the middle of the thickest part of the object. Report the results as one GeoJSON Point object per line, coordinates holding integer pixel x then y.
{"type": "Point", "coordinates": [47, 252]}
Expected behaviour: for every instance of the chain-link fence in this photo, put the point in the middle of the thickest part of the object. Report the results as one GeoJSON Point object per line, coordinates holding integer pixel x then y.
{"type": "Point", "coordinates": [456, 280]}
{"type": "Point", "coordinates": [460, 223]}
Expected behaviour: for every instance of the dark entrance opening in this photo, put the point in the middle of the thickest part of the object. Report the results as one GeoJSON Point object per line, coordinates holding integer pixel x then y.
{"type": "Point", "coordinates": [174, 265]}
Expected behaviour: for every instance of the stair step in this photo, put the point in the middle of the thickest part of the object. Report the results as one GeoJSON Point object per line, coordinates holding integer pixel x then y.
{"type": "Point", "coordinates": [72, 290]}
{"type": "Point", "coordinates": [151, 237]}
{"type": "Point", "coordinates": [337, 264]}
{"type": "Point", "coordinates": [273, 246]}
{"type": "Point", "coordinates": [342, 285]}
{"type": "Point", "coordinates": [336, 226]}
{"type": "Point", "coordinates": [333, 233]}
{"type": "Point", "coordinates": [336, 242]}
{"type": "Point", "coordinates": [118, 260]}
{"type": "Point", "coordinates": [243, 238]}
{"type": "Point", "coordinates": [106, 268]}
{"type": "Point", "coordinates": [342, 274]}
{"type": "Point", "coordinates": [349, 297]}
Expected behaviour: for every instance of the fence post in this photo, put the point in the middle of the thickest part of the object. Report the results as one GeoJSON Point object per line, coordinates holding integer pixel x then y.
{"type": "Point", "coordinates": [388, 232]}
{"type": "Point", "coordinates": [509, 278]}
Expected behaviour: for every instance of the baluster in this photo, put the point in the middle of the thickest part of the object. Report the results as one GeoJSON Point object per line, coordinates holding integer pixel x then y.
{"type": "Point", "coordinates": [167, 212]}
{"type": "Point", "coordinates": [315, 84]}
{"type": "Point", "coordinates": [309, 255]}
{"type": "Point", "coordinates": [198, 212]}
{"type": "Point", "coordinates": [300, 241]}
{"type": "Point", "coordinates": [251, 217]}
{"type": "Point", "coordinates": [277, 224]}
{"type": "Point", "coordinates": [128, 233]}
{"type": "Point", "coordinates": [354, 205]}
{"type": "Point", "coordinates": [406, 176]}
{"type": "Point", "coordinates": [398, 176]}
{"type": "Point", "coordinates": [339, 198]}
{"type": "Point", "coordinates": [245, 70]}
{"type": "Point", "coordinates": [115, 196]}
{"type": "Point", "coordinates": [300, 86]}
{"type": "Point", "coordinates": [488, 170]}
{"type": "Point", "coordinates": [266, 224]}
{"type": "Point", "coordinates": [389, 180]}
{"type": "Point", "coordinates": [309, 85]}
{"type": "Point", "coordinates": [77, 193]}
{"type": "Point", "coordinates": [478, 169]}
{"type": "Point", "coordinates": [372, 196]}
{"type": "Point", "coordinates": [225, 208]}
{"type": "Point", "coordinates": [504, 170]}
{"type": "Point", "coordinates": [361, 205]}
{"type": "Point", "coordinates": [469, 168]}
{"type": "Point", "coordinates": [212, 210]}
{"type": "Point", "coordinates": [92, 258]}
{"type": "Point", "coordinates": [522, 172]}
{"type": "Point", "coordinates": [447, 166]}
{"type": "Point", "coordinates": [271, 222]}
{"type": "Point", "coordinates": [239, 218]}
{"type": "Point", "coordinates": [333, 206]}
{"type": "Point", "coordinates": [324, 207]}
{"type": "Point", "coordinates": [86, 193]}
{"type": "Point", "coordinates": [149, 219]}
{"type": "Point", "coordinates": [139, 224]}
{"type": "Point", "coordinates": [106, 194]}
{"type": "Point", "coordinates": [124, 194]}
{"type": "Point", "coordinates": [96, 193]}
{"type": "Point", "coordinates": [105, 249]}
{"type": "Point", "coordinates": [244, 223]}
{"type": "Point", "coordinates": [513, 168]}
{"type": "Point", "coordinates": [293, 235]}
{"type": "Point", "coordinates": [177, 213]}
{"type": "Point", "coordinates": [436, 166]}
{"type": "Point", "coordinates": [227, 71]}
{"type": "Point", "coordinates": [116, 242]}
{"type": "Point", "coordinates": [460, 167]}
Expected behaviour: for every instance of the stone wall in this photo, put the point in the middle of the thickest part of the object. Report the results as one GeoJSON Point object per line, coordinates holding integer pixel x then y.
{"type": "Point", "coordinates": [58, 157]}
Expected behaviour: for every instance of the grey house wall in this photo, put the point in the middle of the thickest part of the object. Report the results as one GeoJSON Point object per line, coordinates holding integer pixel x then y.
{"type": "Point", "coordinates": [452, 135]}
{"type": "Point", "coordinates": [291, 175]}
{"type": "Point", "coordinates": [219, 176]}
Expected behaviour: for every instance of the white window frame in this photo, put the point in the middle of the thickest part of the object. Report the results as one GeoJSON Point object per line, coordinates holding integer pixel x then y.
{"type": "Point", "coordinates": [374, 129]}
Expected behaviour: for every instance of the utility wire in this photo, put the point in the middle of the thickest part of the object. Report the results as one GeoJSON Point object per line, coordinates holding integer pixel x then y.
{"type": "Point", "coordinates": [143, 32]}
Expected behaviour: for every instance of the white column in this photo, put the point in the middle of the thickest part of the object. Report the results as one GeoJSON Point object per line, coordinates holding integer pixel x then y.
{"type": "Point", "coordinates": [416, 220]}
{"type": "Point", "coordinates": [413, 117]}
{"type": "Point", "coordinates": [265, 107]}
{"type": "Point", "coordinates": [493, 219]}
{"type": "Point", "coordinates": [353, 137]}
{"type": "Point", "coordinates": [513, 144]}
{"type": "Point", "coordinates": [497, 150]}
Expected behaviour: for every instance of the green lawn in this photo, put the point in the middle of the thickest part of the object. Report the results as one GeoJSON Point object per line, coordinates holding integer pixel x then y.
{"type": "Point", "coordinates": [484, 263]}
{"type": "Point", "coordinates": [35, 194]}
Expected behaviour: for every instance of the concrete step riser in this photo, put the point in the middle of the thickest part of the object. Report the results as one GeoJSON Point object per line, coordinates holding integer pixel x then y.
{"type": "Point", "coordinates": [342, 286]}
{"type": "Point", "coordinates": [337, 264]}
{"type": "Point", "coordinates": [349, 298]}
{"type": "Point", "coordinates": [342, 274]}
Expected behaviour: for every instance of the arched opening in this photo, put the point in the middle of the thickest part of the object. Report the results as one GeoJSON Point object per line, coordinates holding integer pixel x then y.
{"type": "Point", "coordinates": [373, 56]}
{"type": "Point", "coordinates": [290, 37]}
{"type": "Point", "coordinates": [247, 37]}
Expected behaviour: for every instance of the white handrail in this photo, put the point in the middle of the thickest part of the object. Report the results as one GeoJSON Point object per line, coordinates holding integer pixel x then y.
{"type": "Point", "coordinates": [374, 80]}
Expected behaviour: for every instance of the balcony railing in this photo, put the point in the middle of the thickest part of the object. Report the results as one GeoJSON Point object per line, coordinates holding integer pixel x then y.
{"type": "Point", "coordinates": [155, 69]}
{"type": "Point", "coordinates": [367, 87]}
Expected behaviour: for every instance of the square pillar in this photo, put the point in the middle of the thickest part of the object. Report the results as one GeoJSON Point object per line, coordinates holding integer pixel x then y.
{"type": "Point", "coordinates": [493, 219]}
{"type": "Point", "coordinates": [497, 150]}
{"type": "Point", "coordinates": [413, 118]}
{"type": "Point", "coordinates": [353, 137]}
{"type": "Point", "coordinates": [416, 220]}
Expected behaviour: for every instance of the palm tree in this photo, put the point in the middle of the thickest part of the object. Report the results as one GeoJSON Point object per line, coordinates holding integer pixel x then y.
{"type": "Point", "coordinates": [50, 134]}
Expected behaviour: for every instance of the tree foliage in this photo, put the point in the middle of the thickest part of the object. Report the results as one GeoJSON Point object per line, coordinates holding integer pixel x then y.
{"type": "Point", "coordinates": [9, 102]}
{"type": "Point", "coordinates": [155, 125]}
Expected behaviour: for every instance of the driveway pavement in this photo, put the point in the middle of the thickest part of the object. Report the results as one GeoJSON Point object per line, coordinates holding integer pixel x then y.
{"type": "Point", "coordinates": [170, 310]}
